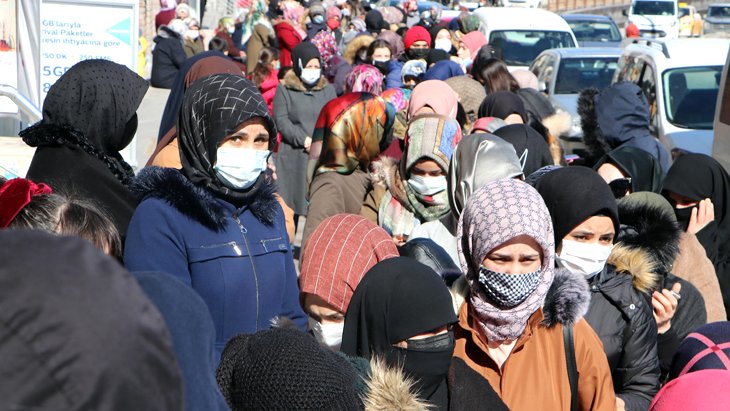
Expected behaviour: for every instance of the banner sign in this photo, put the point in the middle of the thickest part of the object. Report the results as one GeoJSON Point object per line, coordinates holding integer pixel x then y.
{"type": "Point", "coordinates": [8, 52]}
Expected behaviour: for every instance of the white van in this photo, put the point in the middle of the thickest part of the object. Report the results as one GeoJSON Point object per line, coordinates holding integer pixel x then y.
{"type": "Point", "coordinates": [521, 34]}
{"type": "Point", "coordinates": [721, 126]}
{"type": "Point", "coordinates": [655, 18]}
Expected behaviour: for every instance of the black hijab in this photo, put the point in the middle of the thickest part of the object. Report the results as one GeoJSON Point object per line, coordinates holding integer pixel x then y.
{"type": "Point", "coordinates": [213, 108]}
{"type": "Point", "coordinates": [501, 104]}
{"type": "Point", "coordinates": [643, 168]}
{"type": "Point", "coordinates": [302, 54]}
{"type": "Point", "coordinates": [397, 299]}
{"type": "Point", "coordinates": [530, 146]}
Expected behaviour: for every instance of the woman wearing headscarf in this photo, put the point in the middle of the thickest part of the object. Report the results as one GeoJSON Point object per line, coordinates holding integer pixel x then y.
{"type": "Point", "coordinates": [433, 97]}
{"type": "Point", "coordinates": [257, 33]}
{"type": "Point", "coordinates": [350, 133]}
{"type": "Point", "coordinates": [402, 312]}
{"type": "Point", "coordinates": [344, 247]}
{"type": "Point", "coordinates": [530, 146]}
{"type": "Point", "coordinates": [216, 224]}
{"type": "Point", "coordinates": [364, 78]}
{"type": "Point", "coordinates": [168, 55]}
{"type": "Point", "coordinates": [511, 327]}
{"type": "Point", "coordinates": [89, 115]}
{"type": "Point", "coordinates": [469, 46]}
{"type": "Point", "coordinates": [629, 170]}
{"type": "Point", "coordinates": [288, 29]}
{"type": "Point", "coordinates": [699, 189]}
{"type": "Point", "coordinates": [412, 191]}
{"type": "Point", "coordinates": [586, 222]}
{"type": "Point", "coordinates": [335, 68]}
{"type": "Point", "coordinates": [297, 104]}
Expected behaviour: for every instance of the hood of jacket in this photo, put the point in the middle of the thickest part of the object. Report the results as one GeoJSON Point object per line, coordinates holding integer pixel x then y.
{"type": "Point", "coordinates": [291, 81]}
{"type": "Point", "coordinates": [358, 43]}
{"type": "Point", "coordinates": [649, 228]}
{"type": "Point", "coordinates": [635, 262]}
{"type": "Point", "coordinates": [172, 187]}
{"type": "Point", "coordinates": [622, 113]}
{"type": "Point", "coordinates": [388, 388]}
{"type": "Point", "coordinates": [566, 302]}
{"type": "Point", "coordinates": [165, 32]}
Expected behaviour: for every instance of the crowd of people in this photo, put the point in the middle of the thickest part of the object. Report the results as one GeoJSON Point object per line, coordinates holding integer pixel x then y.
{"type": "Point", "coordinates": [450, 257]}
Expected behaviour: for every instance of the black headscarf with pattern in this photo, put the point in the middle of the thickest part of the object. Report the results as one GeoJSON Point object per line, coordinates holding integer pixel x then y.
{"type": "Point", "coordinates": [213, 108]}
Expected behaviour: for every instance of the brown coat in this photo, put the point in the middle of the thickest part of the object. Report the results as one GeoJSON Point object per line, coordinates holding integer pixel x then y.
{"type": "Point", "coordinates": [260, 38]}
{"type": "Point", "coordinates": [535, 376]}
{"type": "Point", "coordinates": [693, 265]}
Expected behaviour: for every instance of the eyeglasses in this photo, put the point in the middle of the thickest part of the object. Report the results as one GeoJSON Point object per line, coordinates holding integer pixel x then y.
{"type": "Point", "coordinates": [620, 187]}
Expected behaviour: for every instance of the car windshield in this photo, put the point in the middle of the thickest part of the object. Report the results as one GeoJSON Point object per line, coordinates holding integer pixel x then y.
{"type": "Point", "coordinates": [576, 74]}
{"type": "Point", "coordinates": [690, 95]}
{"type": "Point", "coordinates": [718, 11]}
{"type": "Point", "coordinates": [595, 31]}
{"type": "Point", "coordinates": [683, 11]}
{"type": "Point", "coordinates": [521, 47]}
{"type": "Point", "coordinates": [654, 8]}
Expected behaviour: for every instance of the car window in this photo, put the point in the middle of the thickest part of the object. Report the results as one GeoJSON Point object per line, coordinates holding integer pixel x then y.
{"type": "Point", "coordinates": [648, 86]}
{"type": "Point", "coordinates": [576, 74]}
{"type": "Point", "coordinates": [521, 47]}
{"type": "Point", "coordinates": [690, 95]}
{"type": "Point", "coordinates": [629, 69]}
{"type": "Point", "coordinates": [595, 31]}
{"type": "Point", "coordinates": [683, 11]}
{"type": "Point", "coordinates": [653, 8]}
{"type": "Point", "coordinates": [718, 11]}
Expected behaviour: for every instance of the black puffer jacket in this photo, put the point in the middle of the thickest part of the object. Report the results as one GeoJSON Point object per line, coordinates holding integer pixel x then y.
{"type": "Point", "coordinates": [167, 58]}
{"type": "Point", "coordinates": [621, 315]}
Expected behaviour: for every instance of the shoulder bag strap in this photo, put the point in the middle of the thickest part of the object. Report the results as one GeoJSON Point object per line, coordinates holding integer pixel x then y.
{"type": "Point", "coordinates": [571, 365]}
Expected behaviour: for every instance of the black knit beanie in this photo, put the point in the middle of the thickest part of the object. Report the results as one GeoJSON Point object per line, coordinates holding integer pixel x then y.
{"type": "Point", "coordinates": [572, 195]}
{"type": "Point", "coordinates": [285, 369]}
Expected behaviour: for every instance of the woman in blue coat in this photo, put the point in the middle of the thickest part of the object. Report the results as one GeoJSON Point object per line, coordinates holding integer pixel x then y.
{"type": "Point", "coordinates": [216, 224]}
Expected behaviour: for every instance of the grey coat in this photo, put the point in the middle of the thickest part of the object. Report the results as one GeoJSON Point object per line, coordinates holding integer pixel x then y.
{"type": "Point", "coordinates": [295, 112]}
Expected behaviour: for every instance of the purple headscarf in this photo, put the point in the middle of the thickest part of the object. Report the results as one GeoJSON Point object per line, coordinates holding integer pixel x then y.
{"type": "Point", "coordinates": [495, 214]}
{"type": "Point", "coordinates": [365, 78]}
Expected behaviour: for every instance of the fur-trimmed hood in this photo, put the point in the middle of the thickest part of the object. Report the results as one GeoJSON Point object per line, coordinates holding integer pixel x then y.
{"type": "Point", "coordinates": [358, 43]}
{"type": "Point", "coordinates": [566, 302]}
{"type": "Point", "coordinates": [637, 263]}
{"type": "Point", "coordinates": [291, 81]}
{"type": "Point", "coordinates": [596, 145]}
{"type": "Point", "coordinates": [196, 202]}
{"type": "Point", "coordinates": [388, 388]}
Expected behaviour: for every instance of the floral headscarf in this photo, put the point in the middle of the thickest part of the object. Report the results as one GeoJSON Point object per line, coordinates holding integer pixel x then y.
{"type": "Point", "coordinates": [365, 78]}
{"type": "Point", "coordinates": [257, 14]}
{"type": "Point", "coordinates": [327, 46]}
{"type": "Point", "coordinates": [293, 11]}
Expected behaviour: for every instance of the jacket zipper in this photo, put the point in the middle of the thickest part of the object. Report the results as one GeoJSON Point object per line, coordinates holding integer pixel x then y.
{"type": "Point", "coordinates": [232, 244]}
{"type": "Point", "coordinates": [253, 266]}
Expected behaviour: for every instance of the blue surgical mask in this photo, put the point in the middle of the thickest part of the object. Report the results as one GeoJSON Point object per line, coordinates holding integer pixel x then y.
{"type": "Point", "coordinates": [428, 186]}
{"type": "Point", "coordinates": [239, 168]}
{"type": "Point", "coordinates": [318, 19]}
{"type": "Point", "coordinates": [467, 63]}
{"type": "Point", "coordinates": [507, 290]}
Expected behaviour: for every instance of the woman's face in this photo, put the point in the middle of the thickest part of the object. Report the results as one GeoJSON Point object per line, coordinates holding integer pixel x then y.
{"type": "Point", "coordinates": [463, 52]}
{"type": "Point", "coordinates": [313, 64]}
{"type": "Point", "coordinates": [594, 230]}
{"type": "Point", "coordinates": [427, 168]}
{"type": "Point", "coordinates": [681, 201]}
{"type": "Point", "coordinates": [443, 34]}
{"type": "Point", "coordinates": [250, 135]}
{"type": "Point", "coordinates": [381, 54]}
{"type": "Point", "coordinates": [520, 255]}
{"type": "Point", "coordinates": [320, 310]}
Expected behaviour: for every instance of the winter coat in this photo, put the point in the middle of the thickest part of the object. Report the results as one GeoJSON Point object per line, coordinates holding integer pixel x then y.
{"type": "Point", "coordinates": [359, 43]}
{"type": "Point", "coordinates": [333, 193]}
{"type": "Point", "coordinates": [193, 47]}
{"type": "Point", "coordinates": [541, 348]}
{"type": "Point", "coordinates": [241, 267]}
{"type": "Point", "coordinates": [261, 37]}
{"type": "Point", "coordinates": [621, 315]}
{"type": "Point", "coordinates": [693, 265]}
{"type": "Point", "coordinates": [337, 72]}
{"type": "Point", "coordinates": [268, 89]}
{"type": "Point", "coordinates": [167, 58]}
{"type": "Point", "coordinates": [394, 79]}
{"type": "Point", "coordinates": [287, 37]}
{"type": "Point", "coordinates": [295, 111]}
{"type": "Point", "coordinates": [469, 391]}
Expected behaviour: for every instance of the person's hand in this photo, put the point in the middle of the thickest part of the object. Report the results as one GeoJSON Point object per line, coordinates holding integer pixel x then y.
{"type": "Point", "coordinates": [702, 215]}
{"type": "Point", "coordinates": [620, 404]}
{"type": "Point", "coordinates": [665, 306]}
{"type": "Point", "coordinates": [307, 143]}
{"type": "Point", "coordinates": [242, 54]}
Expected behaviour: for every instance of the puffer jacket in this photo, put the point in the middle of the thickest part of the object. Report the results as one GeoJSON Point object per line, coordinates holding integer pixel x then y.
{"type": "Point", "coordinates": [621, 314]}
{"type": "Point", "coordinates": [238, 260]}
{"type": "Point", "coordinates": [167, 58]}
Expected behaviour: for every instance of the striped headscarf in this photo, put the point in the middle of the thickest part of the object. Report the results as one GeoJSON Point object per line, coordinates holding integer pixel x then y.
{"type": "Point", "coordinates": [339, 253]}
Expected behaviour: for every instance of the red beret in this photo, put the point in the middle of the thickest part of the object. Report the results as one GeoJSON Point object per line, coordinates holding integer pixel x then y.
{"type": "Point", "coordinates": [414, 34]}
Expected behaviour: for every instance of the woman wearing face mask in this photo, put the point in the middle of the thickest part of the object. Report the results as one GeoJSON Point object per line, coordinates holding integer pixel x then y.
{"type": "Point", "coordinates": [630, 170]}
{"type": "Point", "coordinates": [194, 43]}
{"type": "Point", "coordinates": [469, 46]}
{"type": "Point", "coordinates": [585, 218]}
{"type": "Point", "coordinates": [296, 107]}
{"type": "Point", "coordinates": [344, 247]}
{"type": "Point", "coordinates": [511, 325]}
{"type": "Point", "coordinates": [402, 312]}
{"type": "Point", "coordinates": [417, 42]}
{"type": "Point", "coordinates": [699, 189]}
{"type": "Point", "coordinates": [380, 55]}
{"type": "Point", "coordinates": [441, 39]}
{"type": "Point", "coordinates": [216, 224]}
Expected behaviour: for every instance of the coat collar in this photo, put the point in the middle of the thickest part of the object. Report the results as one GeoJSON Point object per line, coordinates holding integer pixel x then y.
{"type": "Point", "coordinates": [291, 81]}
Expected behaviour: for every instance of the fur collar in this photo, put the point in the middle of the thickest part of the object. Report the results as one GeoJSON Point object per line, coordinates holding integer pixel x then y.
{"type": "Point", "coordinates": [386, 173]}
{"type": "Point", "coordinates": [596, 145]}
{"type": "Point", "coordinates": [637, 263]}
{"type": "Point", "coordinates": [174, 188]}
{"type": "Point", "coordinates": [566, 302]}
{"type": "Point", "coordinates": [291, 81]}
{"type": "Point", "coordinates": [388, 388]}
{"type": "Point", "coordinates": [356, 45]}
{"type": "Point", "coordinates": [650, 228]}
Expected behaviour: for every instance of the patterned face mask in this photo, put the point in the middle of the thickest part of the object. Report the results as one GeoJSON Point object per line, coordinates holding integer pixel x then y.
{"type": "Point", "coordinates": [508, 290]}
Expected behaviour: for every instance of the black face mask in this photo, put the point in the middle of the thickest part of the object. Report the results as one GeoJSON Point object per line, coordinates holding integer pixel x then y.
{"type": "Point", "coordinates": [382, 66]}
{"type": "Point", "coordinates": [427, 361]}
{"type": "Point", "coordinates": [418, 54]}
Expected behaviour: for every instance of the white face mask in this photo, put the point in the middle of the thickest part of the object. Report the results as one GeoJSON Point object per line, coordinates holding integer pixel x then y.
{"type": "Point", "coordinates": [428, 185]}
{"type": "Point", "coordinates": [311, 76]}
{"type": "Point", "coordinates": [239, 168]}
{"type": "Point", "coordinates": [581, 258]}
{"type": "Point", "coordinates": [443, 44]}
{"type": "Point", "coordinates": [193, 34]}
{"type": "Point", "coordinates": [329, 334]}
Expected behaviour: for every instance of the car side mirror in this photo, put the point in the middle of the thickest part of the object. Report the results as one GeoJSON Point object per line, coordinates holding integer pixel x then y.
{"type": "Point", "coordinates": [625, 14]}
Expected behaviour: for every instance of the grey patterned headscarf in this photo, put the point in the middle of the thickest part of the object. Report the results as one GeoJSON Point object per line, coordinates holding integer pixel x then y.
{"type": "Point", "coordinates": [213, 108]}
{"type": "Point", "coordinates": [495, 214]}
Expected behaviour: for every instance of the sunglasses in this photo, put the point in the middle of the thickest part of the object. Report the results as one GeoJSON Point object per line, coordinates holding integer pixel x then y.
{"type": "Point", "coordinates": [620, 187]}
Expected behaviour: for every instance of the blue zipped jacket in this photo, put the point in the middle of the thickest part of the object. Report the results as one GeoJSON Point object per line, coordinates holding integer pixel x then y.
{"type": "Point", "coordinates": [238, 260]}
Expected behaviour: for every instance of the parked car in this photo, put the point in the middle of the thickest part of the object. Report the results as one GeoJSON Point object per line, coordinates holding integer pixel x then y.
{"type": "Point", "coordinates": [519, 34]}
{"type": "Point", "coordinates": [563, 73]}
{"type": "Point", "coordinates": [721, 126]}
{"type": "Point", "coordinates": [680, 79]}
{"type": "Point", "coordinates": [690, 21]}
{"type": "Point", "coordinates": [717, 20]}
{"type": "Point", "coordinates": [523, 3]}
{"type": "Point", "coordinates": [655, 18]}
{"type": "Point", "coordinates": [594, 30]}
